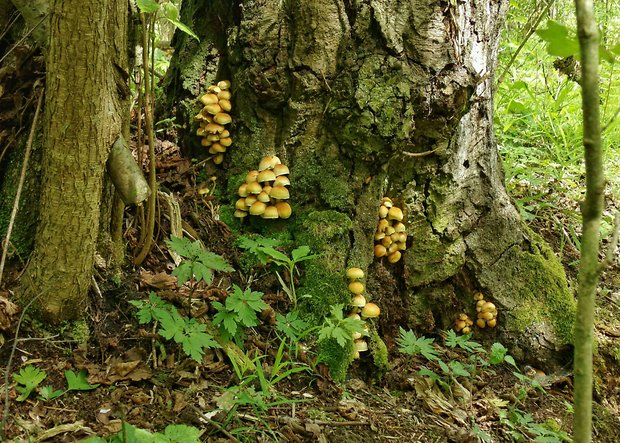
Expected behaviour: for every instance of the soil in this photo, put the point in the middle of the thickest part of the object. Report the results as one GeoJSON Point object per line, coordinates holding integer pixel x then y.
{"type": "Point", "coordinates": [150, 383]}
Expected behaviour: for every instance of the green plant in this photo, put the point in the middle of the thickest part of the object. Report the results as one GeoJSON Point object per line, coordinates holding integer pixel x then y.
{"type": "Point", "coordinates": [27, 380]}
{"type": "Point", "coordinates": [409, 344]}
{"type": "Point", "coordinates": [78, 382]}
{"type": "Point", "coordinates": [264, 249]}
{"type": "Point", "coordinates": [189, 333]}
{"type": "Point", "coordinates": [339, 328]}
{"type": "Point", "coordinates": [499, 354]}
{"type": "Point", "coordinates": [454, 340]}
{"type": "Point", "coordinates": [522, 427]}
{"type": "Point", "coordinates": [238, 312]}
{"type": "Point", "coordinates": [197, 263]}
{"type": "Point", "coordinates": [132, 434]}
{"type": "Point", "coordinates": [167, 11]}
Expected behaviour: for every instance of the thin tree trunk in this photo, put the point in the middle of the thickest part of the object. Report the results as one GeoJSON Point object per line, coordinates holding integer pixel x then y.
{"type": "Point", "coordinates": [86, 93]}
{"type": "Point", "coordinates": [592, 210]}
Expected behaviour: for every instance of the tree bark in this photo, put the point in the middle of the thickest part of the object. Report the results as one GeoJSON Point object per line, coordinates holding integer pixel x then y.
{"type": "Point", "coordinates": [367, 99]}
{"type": "Point", "coordinates": [86, 97]}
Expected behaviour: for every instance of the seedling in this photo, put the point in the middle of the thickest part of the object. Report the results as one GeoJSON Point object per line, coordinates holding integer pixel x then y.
{"type": "Point", "coordinates": [409, 344]}
{"type": "Point", "coordinates": [339, 328]}
{"type": "Point", "coordinates": [27, 380]}
{"type": "Point", "coordinates": [78, 382]}
{"type": "Point", "coordinates": [238, 312]}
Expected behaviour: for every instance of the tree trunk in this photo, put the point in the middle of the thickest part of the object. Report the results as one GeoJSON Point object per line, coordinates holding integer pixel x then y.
{"type": "Point", "coordinates": [382, 98]}
{"type": "Point", "coordinates": [86, 97]}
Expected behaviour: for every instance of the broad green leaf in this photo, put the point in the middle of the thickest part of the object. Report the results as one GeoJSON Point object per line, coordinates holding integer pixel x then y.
{"type": "Point", "coordinates": [182, 434]}
{"type": "Point", "coordinates": [276, 255]}
{"type": "Point", "coordinates": [170, 11]}
{"type": "Point", "coordinates": [202, 272]}
{"type": "Point", "coordinates": [183, 273]}
{"type": "Point", "coordinates": [498, 352]}
{"type": "Point", "coordinates": [47, 393]}
{"type": "Point", "coordinates": [147, 5]}
{"type": "Point", "coordinates": [78, 382]}
{"type": "Point", "coordinates": [215, 261]}
{"type": "Point", "coordinates": [560, 41]}
{"type": "Point", "coordinates": [300, 252]}
{"type": "Point", "coordinates": [458, 370]}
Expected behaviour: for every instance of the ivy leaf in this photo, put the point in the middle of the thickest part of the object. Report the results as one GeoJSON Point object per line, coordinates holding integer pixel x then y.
{"type": "Point", "coordinates": [147, 5]}
{"type": "Point", "coordinates": [29, 378]}
{"type": "Point", "coordinates": [78, 382]}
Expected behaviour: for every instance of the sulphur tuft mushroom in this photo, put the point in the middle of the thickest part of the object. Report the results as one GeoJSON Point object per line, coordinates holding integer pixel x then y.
{"type": "Point", "coordinates": [356, 287]}
{"type": "Point", "coordinates": [391, 234]}
{"type": "Point", "coordinates": [462, 321]}
{"type": "Point", "coordinates": [267, 187]}
{"type": "Point", "coordinates": [212, 118]}
{"type": "Point", "coordinates": [486, 312]}
{"type": "Point", "coordinates": [355, 274]}
{"type": "Point", "coordinates": [370, 310]}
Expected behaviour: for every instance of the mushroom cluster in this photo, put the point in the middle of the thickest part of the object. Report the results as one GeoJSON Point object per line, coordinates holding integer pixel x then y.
{"type": "Point", "coordinates": [487, 312]}
{"type": "Point", "coordinates": [212, 118]}
{"type": "Point", "coordinates": [391, 235]}
{"type": "Point", "coordinates": [463, 323]}
{"type": "Point", "coordinates": [361, 309]}
{"type": "Point", "coordinates": [265, 191]}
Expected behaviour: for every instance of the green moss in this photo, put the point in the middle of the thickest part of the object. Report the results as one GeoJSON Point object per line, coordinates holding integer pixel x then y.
{"type": "Point", "coordinates": [538, 282]}
{"type": "Point", "coordinates": [336, 357]}
{"type": "Point", "coordinates": [379, 353]}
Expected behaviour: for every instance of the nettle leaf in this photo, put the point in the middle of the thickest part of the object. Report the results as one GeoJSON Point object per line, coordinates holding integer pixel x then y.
{"type": "Point", "coordinates": [183, 273]}
{"type": "Point", "coordinates": [78, 382]}
{"type": "Point", "coordinates": [147, 5]}
{"type": "Point", "coordinates": [29, 378]}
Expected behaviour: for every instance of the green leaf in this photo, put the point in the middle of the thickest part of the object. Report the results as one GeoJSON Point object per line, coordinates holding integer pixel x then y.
{"type": "Point", "coordinates": [215, 261]}
{"type": "Point", "coordinates": [171, 325]}
{"type": "Point", "coordinates": [147, 5]}
{"type": "Point", "coordinates": [498, 352]}
{"type": "Point", "coordinates": [170, 11]}
{"type": "Point", "coordinates": [183, 27]}
{"type": "Point", "coordinates": [342, 336]}
{"type": "Point", "coordinates": [227, 319]}
{"type": "Point", "coordinates": [453, 340]}
{"type": "Point", "coordinates": [202, 272]}
{"type": "Point", "coordinates": [560, 41]}
{"type": "Point", "coordinates": [47, 393]}
{"type": "Point", "coordinates": [276, 255]}
{"type": "Point", "coordinates": [78, 382]}
{"type": "Point", "coordinates": [458, 370]}
{"type": "Point", "coordinates": [183, 246]}
{"type": "Point", "coordinates": [29, 378]}
{"type": "Point", "coordinates": [409, 344]}
{"type": "Point", "coordinates": [182, 434]}
{"type": "Point", "coordinates": [183, 273]}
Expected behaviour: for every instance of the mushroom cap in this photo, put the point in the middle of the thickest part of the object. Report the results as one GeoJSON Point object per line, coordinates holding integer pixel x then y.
{"type": "Point", "coordinates": [217, 148]}
{"type": "Point", "coordinates": [250, 200]}
{"type": "Point", "coordinates": [279, 192]}
{"type": "Point", "coordinates": [360, 345]}
{"type": "Point", "coordinates": [251, 176]}
{"type": "Point", "coordinates": [213, 137]}
{"type": "Point", "coordinates": [225, 133]}
{"type": "Point", "coordinates": [359, 301]}
{"type": "Point", "coordinates": [214, 89]}
{"type": "Point", "coordinates": [240, 214]}
{"type": "Point", "coordinates": [393, 248]}
{"type": "Point", "coordinates": [488, 307]}
{"type": "Point", "coordinates": [370, 310]}
{"type": "Point", "coordinates": [356, 287]}
{"type": "Point", "coordinates": [213, 108]}
{"type": "Point", "coordinates": [386, 241]}
{"type": "Point", "coordinates": [379, 236]}
{"type": "Point", "coordinates": [222, 118]}
{"type": "Point", "coordinates": [356, 335]}
{"type": "Point", "coordinates": [209, 99]}
{"type": "Point", "coordinates": [383, 225]}
{"type": "Point", "coordinates": [395, 213]}
{"type": "Point", "coordinates": [271, 212]}
{"type": "Point", "coordinates": [226, 141]}
{"type": "Point", "coordinates": [263, 197]}
{"type": "Point", "coordinates": [224, 95]}
{"type": "Point", "coordinates": [281, 180]}
{"type": "Point", "coordinates": [243, 190]}
{"type": "Point", "coordinates": [387, 202]}
{"type": "Point", "coordinates": [355, 274]}
{"type": "Point", "coordinates": [402, 246]}
{"type": "Point", "coordinates": [459, 324]}
{"type": "Point", "coordinates": [354, 316]}
{"type": "Point", "coordinates": [389, 230]}
{"type": "Point", "coordinates": [463, 316]}
{"type": "Point", "coordinates": [268, 162]}
{"type": "Point", "coordinates": [280, 169]}
{"type": "Point", "coordinates": [486, 315]}
{"type": "Point", "coordinates": [399, 227]}
{"type": "Point", "coordinates": [254, 188]}
{"type": "Point", "coordinates": [478, 296]}
{"type": "Point", "coordinates": [225, 104]}
{"type": "Point", "coordinates": [481, 323]}
{"type": "Point", "coordinates": [214, 128]}
{"type": "Point", "coordinates": [266, 175]}
{"type": "Point", "coordinates": [218, 159]}
{"type": "Point", "coordinates": [380, 251]}
{"type": "Point", "coordinates": [206, 143]}
{"type": "Point", "coordinates": [258, 208]}
{"type": "Point", "coordinates": [402, 237]}
{"type": "Point", "coordinates": [394, 256]}
{"type": "Point", "coordinates": [383, 211]}
{"type": "Point", "coordinates": [240, 204]}
{"type": "Point", "coordinates": [492, 323]}
{"type": "Point", "coordinates": [284, 210]}
{"type": "Point", "coordinates": [224, 84]}
{"type": "Point", "coordinates": [466, 330]}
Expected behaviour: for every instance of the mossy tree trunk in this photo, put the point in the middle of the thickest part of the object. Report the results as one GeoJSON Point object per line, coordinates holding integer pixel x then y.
{"type": "Point", "coordinates": [86, 96]}
{"type": "Point", "coordinates": [376, 98]}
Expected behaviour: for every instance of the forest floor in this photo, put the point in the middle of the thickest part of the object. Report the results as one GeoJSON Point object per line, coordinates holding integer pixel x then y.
{"type": "Point", "coordinates": [122, 371]}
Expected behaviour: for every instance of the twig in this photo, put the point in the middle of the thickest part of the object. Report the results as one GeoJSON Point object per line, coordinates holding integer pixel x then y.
{"type": "Point", "coordinates": [419, 154]}
{"type": "Point", "coordinates": [20, 185]}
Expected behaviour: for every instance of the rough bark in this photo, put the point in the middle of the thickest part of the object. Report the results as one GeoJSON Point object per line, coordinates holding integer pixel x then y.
{"type": "Point", "coordinates": [344, 92]}
{"type": "Point", "coordinates": [84, 111]}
